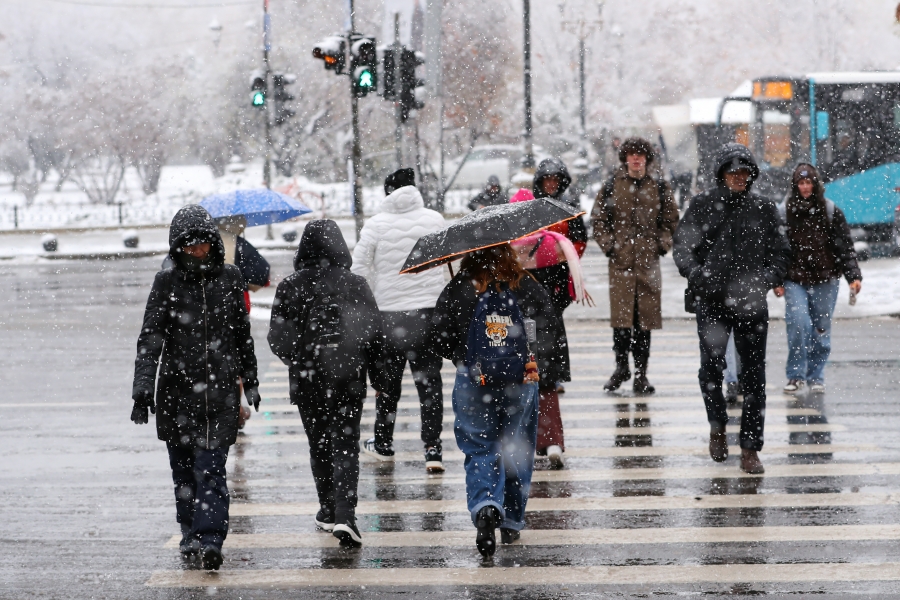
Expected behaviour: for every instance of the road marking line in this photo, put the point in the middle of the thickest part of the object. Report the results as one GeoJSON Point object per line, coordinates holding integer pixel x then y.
{"type": "Point", "coordinates": [815, 573]}
{"type": "Point", "coordinates": [576, 504]}
{"type": "Point", "coordinates": [454, 455]}
{"type": "Point", "coordinates": [698, 429]}
{"type": "Point", "coordinates": [575, 537]}
{"type": "Point", "coordinates": [729, 471]}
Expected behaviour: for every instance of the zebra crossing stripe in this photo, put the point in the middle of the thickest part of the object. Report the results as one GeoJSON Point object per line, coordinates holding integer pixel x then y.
{"type": "Point", "coordinates": [727, 471]}
{"type": "Point", "coordinates": [524, 576]}
{"type": "Point", "coordinates": [580, 504]}
{"type": "Point", "coordinates": [575, 537]}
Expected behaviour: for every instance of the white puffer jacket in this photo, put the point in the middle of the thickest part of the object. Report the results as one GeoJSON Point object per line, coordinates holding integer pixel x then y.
{"type": "Point", "coordinates": [385, 242]}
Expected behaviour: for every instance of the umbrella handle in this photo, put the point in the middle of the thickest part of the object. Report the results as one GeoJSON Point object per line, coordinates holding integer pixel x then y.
{"type": "Point", "coordinates": [450, 266]}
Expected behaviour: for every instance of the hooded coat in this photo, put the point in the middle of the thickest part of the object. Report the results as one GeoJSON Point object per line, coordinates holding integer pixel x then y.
{"type": "Point", "coordinates": [633, 223]}
{"type": "Point", "coordinates": [456, 307]}
{"type": "Point", "coordinates": [556, 278]}
{"type": "Point", "coordinates": [323, 255]}
{"type": "Point", "coordinates": [488, 197]}
{"type": "Point", "coordinates": [731, 246]}
{"type": "Point", "coordinates": [196, 332]}
{"type": "Point", "coordinates": [384, 244]}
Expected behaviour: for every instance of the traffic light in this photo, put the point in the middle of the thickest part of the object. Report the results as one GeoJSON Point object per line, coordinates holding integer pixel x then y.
{"type": "Point", "coordinates": [363, 60]}
{"type": "Point", "coordinates": [281, 96]}
{"type": "Point", "coordinates": [387, 72]}
{"type": "Point", "coordinates": [258, 89]}
{"type": "Point", "coordinates": [332, 50]}
{"type": "Point", "coordinates": [411, 91]}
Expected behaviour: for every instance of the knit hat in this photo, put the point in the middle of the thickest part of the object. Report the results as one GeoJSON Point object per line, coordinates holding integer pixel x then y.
{"type": "Point", "coordinates": [398, 179]}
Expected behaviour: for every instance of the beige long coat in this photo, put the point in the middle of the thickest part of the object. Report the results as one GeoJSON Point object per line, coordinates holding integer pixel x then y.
{"type": "Point", "coordinates": [627, 228]}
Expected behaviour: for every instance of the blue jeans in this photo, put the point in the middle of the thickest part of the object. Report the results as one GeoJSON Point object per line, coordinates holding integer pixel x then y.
{"type": "Point", "coordinates": [496, 428]}
{"type": "Point", "coordinates": [732, 362]}
{"type": "Point", "coordinates": [808, 311]}
{"type": "Point", "coordinates": [201, 492]}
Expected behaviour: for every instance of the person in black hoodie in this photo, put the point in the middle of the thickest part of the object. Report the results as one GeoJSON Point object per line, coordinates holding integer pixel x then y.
{"type": "Point", "coordinates": [491, 195]}
{"type": "Point", "coordinates": [326, 328]}
{"type": "Point", "coordinates": [732, 249]}
{"type": "Point", "coordinates": [196, 332]}
{"type": "Point", "coordinates": [496, 425]}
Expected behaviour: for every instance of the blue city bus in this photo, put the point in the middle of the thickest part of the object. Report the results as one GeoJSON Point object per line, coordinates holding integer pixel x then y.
{"type": "Point", "coordinates": [847, 125]}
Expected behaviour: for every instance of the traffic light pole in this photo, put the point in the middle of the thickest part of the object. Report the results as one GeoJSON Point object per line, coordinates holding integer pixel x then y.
{"type": "Point", "coordinates": [528, 158]}
{"type": "Point", "coordinates": [356, 153]}
{"type": "Point", "coordinates": [398, 86]}
{"type": "Point", "coordinates": [267, 165]}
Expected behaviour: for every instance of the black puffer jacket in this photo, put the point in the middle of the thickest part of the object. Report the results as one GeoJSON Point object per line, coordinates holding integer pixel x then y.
{"type": "Point", "coordinates": [556, 278]}
{"type": "Point", "coordinates": [731, 246]}
{"type": "Point", "coordinates": [323, 256]}
{"type": "Point", "coordinates": [456, 306]}
{"type": "Point", "coordinates": [491, 195]}
{"type": "Point", "coordinates": [196, 329]}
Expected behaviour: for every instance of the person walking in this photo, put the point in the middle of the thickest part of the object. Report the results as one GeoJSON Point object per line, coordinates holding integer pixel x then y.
{"type": "Point", "coordinates": [731, 248]}
{"type": "Point", "coordinates": [822, 252]}
{"type": "Point", "coordinates": [633, 219]}
{"type": "Point", "coordinates": [326, 328]}
{"type": "Point", "coordinates": [406, 303]}
{"type": "Point", "coordinates": [196, 334]}
{"type": "Point", "coordinates": [496, 421]}
{"type": "Point", "coordinates": [492, 195]}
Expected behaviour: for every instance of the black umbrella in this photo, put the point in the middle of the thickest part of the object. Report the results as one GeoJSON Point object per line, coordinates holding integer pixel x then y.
{"type": "Point", "coordinates": [489, 226]}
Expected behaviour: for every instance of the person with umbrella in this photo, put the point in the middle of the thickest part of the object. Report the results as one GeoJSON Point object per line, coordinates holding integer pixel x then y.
{"type": "Point", "coordinates": [480, 323]}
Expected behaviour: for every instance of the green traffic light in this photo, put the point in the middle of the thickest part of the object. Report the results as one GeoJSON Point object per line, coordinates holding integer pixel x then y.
{"type": "Point", "coordinates": [258, 98]}
{"type": "Point", "coordinates": [366, 80]}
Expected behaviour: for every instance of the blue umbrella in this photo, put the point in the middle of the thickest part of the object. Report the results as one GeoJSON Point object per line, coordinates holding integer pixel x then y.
{"type": "Point", "coordinates": [259, 207]}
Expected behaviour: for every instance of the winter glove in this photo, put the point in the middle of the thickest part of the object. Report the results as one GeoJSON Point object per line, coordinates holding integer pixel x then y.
{"type": "Point", "coordinates": [663, 252]}
{"type": "Point", "coordinates": [143, 400]}
{"type": "Point", "coordinates": [139, 415]}
{"type": "Point", "coordinates": [609, 253]}
{"type": "Point", "coordinates": [252, 395]}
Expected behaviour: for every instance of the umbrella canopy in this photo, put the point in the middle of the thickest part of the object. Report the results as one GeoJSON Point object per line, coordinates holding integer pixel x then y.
{"type": "Point", "coordinates": [259, 207]}
{"type": "Point", "coordinates": [486, 227]}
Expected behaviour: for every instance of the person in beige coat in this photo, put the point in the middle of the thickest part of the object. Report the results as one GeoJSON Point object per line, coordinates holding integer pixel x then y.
{"type": "Point", "coordinates": [634, 219]}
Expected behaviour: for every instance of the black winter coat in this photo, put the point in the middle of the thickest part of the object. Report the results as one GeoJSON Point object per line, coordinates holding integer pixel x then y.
{"type": "Point", "coordinates": [556, 277]}
{"type": "Point", "coordinates": [731, 246]}
{"type": "Point", "coordinates": [323, 255]}
{"type": "Point", "coordinates": [456, 306]}
{"type": "Point", "coordinates": [196, 330]}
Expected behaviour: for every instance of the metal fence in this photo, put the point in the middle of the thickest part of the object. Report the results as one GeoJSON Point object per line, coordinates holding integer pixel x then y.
{"type": "Point", "coordinates": [332, 202]}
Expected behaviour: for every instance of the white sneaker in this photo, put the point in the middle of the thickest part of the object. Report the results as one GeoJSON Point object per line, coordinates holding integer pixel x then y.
{"type": "Point", "coordinates": [555, 455]}
{"type": "Point", "coordinates": [817, 388]}
{"type": "Point", "coordinates": [370, 449]}
{"type": "Point", "coordinates": [794, 387]}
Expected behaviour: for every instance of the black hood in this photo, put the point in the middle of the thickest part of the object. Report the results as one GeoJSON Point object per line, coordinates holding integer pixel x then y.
{"type": "Point", "coordinates": [322, 245]}
{"type": "Point", "coordinates": [548, 167]}
{"type": "Point", "coordinates": [729, 153]}
{"type": "Point", "coordinates": [193, 225]}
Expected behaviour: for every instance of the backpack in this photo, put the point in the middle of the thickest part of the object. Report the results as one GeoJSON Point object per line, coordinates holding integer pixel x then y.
{"type": "Point", "coordinates": [338, 330]}
{"type": "Point", "coordinates": [498, 339]}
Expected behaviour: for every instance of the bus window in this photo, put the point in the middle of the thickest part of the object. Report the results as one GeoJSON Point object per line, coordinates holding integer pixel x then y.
{"type": "Point", "coordinates": [776, 125]}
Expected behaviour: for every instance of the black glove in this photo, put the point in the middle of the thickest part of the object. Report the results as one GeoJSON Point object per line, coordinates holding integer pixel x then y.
{"type": "Point", "coordinates": [663, 252]}
{"type": "Point", "coordinates": [252, 395]}
{"type": "Point", "coordinates": [143, 400]}
{"type": "Point", "coordinates": [609, 253]}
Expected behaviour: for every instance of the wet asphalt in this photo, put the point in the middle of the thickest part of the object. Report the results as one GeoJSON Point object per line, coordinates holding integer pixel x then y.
{"type": "Point", "coordinates": [87, 511]}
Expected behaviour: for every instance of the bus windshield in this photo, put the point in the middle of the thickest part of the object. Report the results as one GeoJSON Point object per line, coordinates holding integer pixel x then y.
{"type": "Point", "coordinates": [857, 128]}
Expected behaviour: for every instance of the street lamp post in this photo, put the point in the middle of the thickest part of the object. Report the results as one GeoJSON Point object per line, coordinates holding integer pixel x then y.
{"type": "Point", "coordinates": [528, 158]}
{"type": "Point", "coordinates": [582, 26]}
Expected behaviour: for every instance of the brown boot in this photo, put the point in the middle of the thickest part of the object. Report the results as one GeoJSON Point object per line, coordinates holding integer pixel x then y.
{"type": "Point", "coordinates": [750, 462]}
{"type": "Point", "coordinates": [718, 444]}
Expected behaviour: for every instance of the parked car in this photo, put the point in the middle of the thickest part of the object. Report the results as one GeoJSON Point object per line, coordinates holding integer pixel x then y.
{"type": "Point", "coordinates": [502, 160]}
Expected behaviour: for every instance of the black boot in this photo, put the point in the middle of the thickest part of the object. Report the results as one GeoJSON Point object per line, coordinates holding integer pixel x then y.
{"type": "Point", "coordinates": [486, 521]}
{"type": "Point", "coordinates": [621, 344]}
{"type": "Point", "coordinates": [640, 348]}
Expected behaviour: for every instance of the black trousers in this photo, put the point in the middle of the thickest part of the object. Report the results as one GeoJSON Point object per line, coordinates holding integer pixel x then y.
{"type": "Point", "coordinates": [201, 492]}
{"type": "Point", "coordinates": [634, 340]}
{"type": "Point", "coordinates": [714, 324]}
{"type": "Point", "coordinates": [331, 420]}
{"type": "Point", "coordinates": [406, 340]}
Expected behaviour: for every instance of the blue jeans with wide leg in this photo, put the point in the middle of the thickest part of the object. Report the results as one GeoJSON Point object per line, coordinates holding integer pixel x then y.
{"type": "Point", "coordinates": [807, 316]}
{"type": "Point", "coordinates": [496, 428]}
{"type": "Point", "coordinates": [201, 492]}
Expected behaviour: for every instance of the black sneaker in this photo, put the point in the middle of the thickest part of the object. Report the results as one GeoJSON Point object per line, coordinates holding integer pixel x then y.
{"type": "Point", "coordinates": [211, 558]}
{"type": "Point", "coordinates": [486, 522]}
{"type": "Point", "coordinates": [325, 519]}
{"type": "Point", "coordinates": [508, 536]}
{"type": "Point", "coordinates": [348, 534]}
{"type": "Point", "coordinates": [377, 452]}
{"type": "Point", "coordinates": [434, 462]}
